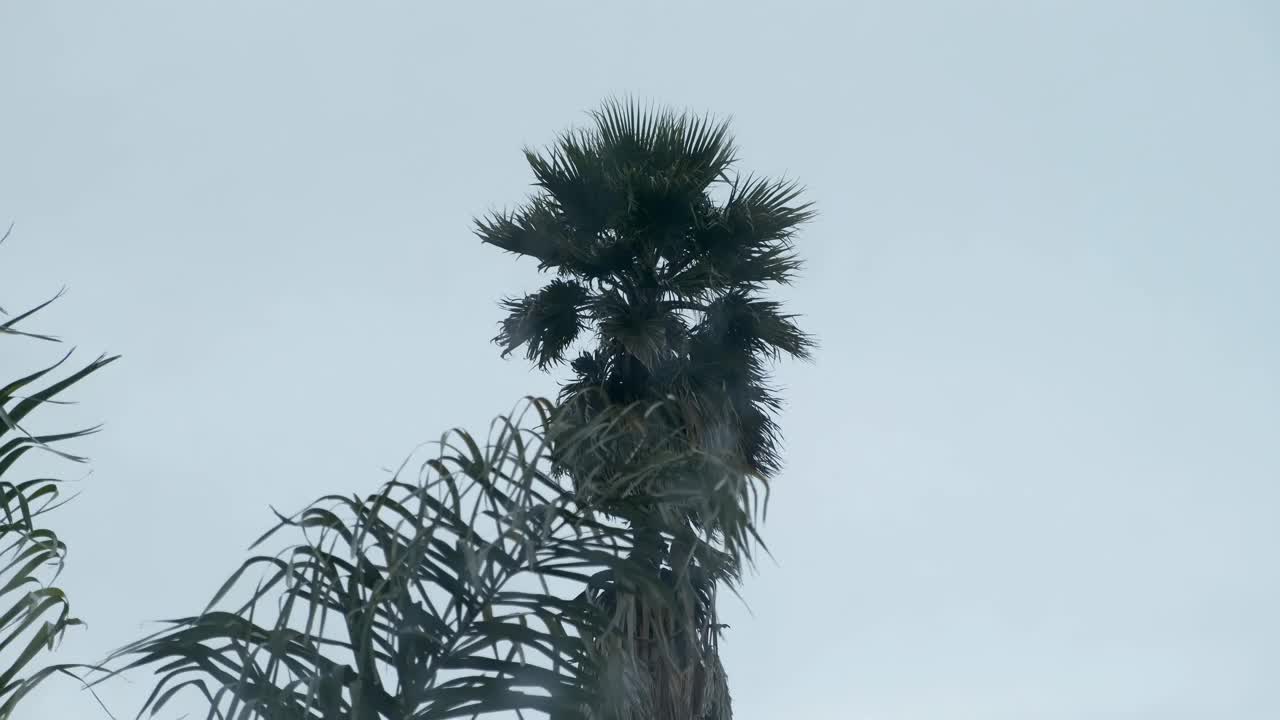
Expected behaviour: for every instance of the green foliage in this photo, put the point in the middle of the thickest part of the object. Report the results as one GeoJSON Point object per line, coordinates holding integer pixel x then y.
{"type": "Point", "coordinates": [668, 276]}
{"type": "Point", "coordinates": [34, 615]}
{"type": "Point", "coordinates": [473, 591]}
{"type": "Point", "coordinates": [663, 251]}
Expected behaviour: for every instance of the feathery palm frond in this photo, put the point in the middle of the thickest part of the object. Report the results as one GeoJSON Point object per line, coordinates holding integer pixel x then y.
{"type": "Point", "coordinates": [35, 615]}
{"type": "Point", "coordinates": [474, 591]}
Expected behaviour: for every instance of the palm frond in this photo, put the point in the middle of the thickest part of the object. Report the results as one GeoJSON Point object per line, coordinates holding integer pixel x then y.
{"type": "Point", "coordinates": [577, 180]}
{"type": "Point", "coordinates": [746, 243]}
{"type": "Point", "coordinates": [740, 322]}
{"type": "Point", "coordinates": [768, 208]}
{"type": "Point", "coordinates": [535, 230]}
{"type": "Point", "coordinates": [7, 327]}
{"type": "Point", "coordinates": [685, 151]}
{"type": "Point", "coordinates": [34, 614]}
{"type": "Point", "coordinates": [642, 325]}
{"type": "Point", "coordinates": [546, 322]}
{"type": "Point", "coordinates": [470, 592]}
{"type": "Point", "coordinates": [661, 459]}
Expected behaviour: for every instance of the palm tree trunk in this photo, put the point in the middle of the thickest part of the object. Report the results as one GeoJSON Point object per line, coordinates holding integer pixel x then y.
{"type": "Point", "coordinates": [675, 650]}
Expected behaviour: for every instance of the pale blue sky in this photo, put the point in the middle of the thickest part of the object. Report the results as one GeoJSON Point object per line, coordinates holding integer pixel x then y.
{"type": "Point", "coordinates": [1032, 476]}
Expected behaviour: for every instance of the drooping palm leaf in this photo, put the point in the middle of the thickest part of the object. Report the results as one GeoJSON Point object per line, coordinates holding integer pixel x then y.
{"type": "Point", "coordinates": [34, 615]}
{"type": "Point", "coordinates": [473, 591]}
{"type": "Point", "coordinates": [546, 322]}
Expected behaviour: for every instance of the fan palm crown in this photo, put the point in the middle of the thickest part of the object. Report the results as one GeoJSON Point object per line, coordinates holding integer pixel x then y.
{"type": "Point", "coordinates": [663, 250]}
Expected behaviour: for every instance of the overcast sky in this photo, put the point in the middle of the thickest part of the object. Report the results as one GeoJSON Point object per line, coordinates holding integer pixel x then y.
{"type": "Point", "coordinates": [1032, 475]}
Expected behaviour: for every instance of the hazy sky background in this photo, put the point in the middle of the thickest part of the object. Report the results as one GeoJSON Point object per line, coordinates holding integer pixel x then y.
{"type": "Point", "coordinates": [1033, 474]}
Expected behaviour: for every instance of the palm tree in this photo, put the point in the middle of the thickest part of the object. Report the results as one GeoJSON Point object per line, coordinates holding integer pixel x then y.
{"type": "Point", "coordinates": [490, 584]}
{"type": "Point", "coordinates": [37, 614]}
{"type": "Point", "coordinates": [468, 592]}
{"type": "Point", "coordinates": [663, 252]}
